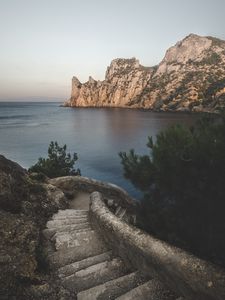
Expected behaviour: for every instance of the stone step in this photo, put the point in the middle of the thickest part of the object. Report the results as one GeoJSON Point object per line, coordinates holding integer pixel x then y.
{"type": "Point", "coordinates": [73, 211]}
{"type": "Point", "coordinates": [94, 275]}
{"type": "Point", "coordinates": [74, 267]}
{"type": "Point", "coordinates": [70, 213]}
{"type": "Point", "coordinates": [151, 290]}
{"type": "Point", "coordinates": [71, 230]}
{"type": "Point", "coordinates": [66, 217]}
{"type": "Point", "coordinates": [49, 233]}
{"type": "Point", "coordinates": [64, 240]}
{"type": "Point", "coordinates": [62, 222]}
{"type": "Point", "coordinates": [112, 288]}
{"type": "Point", "coordinates": [86, 247]}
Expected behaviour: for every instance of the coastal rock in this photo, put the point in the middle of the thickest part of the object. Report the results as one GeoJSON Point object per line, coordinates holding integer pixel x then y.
{"type": "Point", "coordinates": [25, 206]}
{"type": "Point", "coordinates": [191, 48]}
{"type": "Point", "coordinates": [191, 77]}
{"type": "Point", "coordinates": [125, 79]}
{"type": "Point", "coordinates": [18, 262]}
{"type": "Point", "coordinates": [13, 189]}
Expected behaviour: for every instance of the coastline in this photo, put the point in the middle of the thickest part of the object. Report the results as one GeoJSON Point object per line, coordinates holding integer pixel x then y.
{"type": "Point", "coordinates": [144, 109]}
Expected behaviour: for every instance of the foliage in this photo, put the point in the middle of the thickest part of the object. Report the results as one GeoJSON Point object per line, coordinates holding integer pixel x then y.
{"type": "Point", "coordinates": [212, 59]}
{"type": "Point", "coordinates": [59, 163]}
{"type": "Point", "coordinates": [183, 180]}
{"type": "Point", "coordinates": [215, 87]}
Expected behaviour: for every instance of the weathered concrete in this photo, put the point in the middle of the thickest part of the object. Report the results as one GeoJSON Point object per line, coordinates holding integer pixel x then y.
{"type": "Point", "coordinates": [95, 275]}
{"type": "Point", "coordinates": [71, 212]}
{"type": "Point", "coordinates": [84, 248]}
{"type": "Point", "coordinates": [82, 264]}
{"type": "Point", "coordinates": [80, 201]}
{"type": "Point", "coordinates": [151, 290]}
{"type": "Point", "coordinates": [49, 233]}
{"type": "Point", "coordinates": [64, 222]}
{"type": "Point", "coordinates": [69, 216]}
{"type": "Point", "coordinates": [113, 288]}
{"type": "Point", "coordinates": [65, 240]}
{"type": "Point", "coordinates": [75, 184]}
{"type": "Point", "coordinates": [182, 272]}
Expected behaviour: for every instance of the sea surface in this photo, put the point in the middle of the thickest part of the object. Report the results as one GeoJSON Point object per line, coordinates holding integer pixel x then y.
{"type": "Point", "coordinates": [96, 135]}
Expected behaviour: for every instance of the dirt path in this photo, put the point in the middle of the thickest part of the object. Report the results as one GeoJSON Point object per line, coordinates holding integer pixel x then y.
{"type": "Point", "coordinates": [80, 201]}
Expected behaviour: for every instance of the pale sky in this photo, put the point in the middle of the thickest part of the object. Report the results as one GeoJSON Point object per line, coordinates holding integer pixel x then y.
{"type": "Point", "coordinates": [43, 43]}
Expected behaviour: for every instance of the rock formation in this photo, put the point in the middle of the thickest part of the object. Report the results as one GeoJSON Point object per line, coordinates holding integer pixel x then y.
{"type": "Point", "coordinates": [25, 206]}
{"type": "Point", "coordinates": [124, 80]}
{"type": "Point", "coordinates": [191, 77]}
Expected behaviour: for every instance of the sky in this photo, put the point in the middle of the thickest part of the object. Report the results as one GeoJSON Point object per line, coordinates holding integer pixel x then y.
{"type": "Point", "coordinates": [44, 43]}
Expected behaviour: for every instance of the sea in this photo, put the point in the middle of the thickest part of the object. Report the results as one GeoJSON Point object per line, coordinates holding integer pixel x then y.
{"type": "Point", "coordinates": [97, 135]}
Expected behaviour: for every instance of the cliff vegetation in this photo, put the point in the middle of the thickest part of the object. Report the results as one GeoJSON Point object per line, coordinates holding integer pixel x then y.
{"type": "Point", "coordinates": [183, 180]}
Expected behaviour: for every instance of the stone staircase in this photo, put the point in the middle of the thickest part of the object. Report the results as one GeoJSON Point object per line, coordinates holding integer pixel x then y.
{"type": "Point", "coordinates": [88, 269]}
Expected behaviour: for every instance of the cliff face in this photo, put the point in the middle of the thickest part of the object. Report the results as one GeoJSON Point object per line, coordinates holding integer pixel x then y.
{"type": "Point", "coordinates": [191, 77]}
{"type": "Point", "coordinates": [124, 80]}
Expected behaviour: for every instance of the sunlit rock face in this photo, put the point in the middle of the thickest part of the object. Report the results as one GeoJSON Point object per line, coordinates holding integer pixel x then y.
{"type": "Point", "coordinates": [124, 80]}
{"type": "Point", "coordinates": [191, 77]}
{"type": "Point", "coordinates": [190, 48]}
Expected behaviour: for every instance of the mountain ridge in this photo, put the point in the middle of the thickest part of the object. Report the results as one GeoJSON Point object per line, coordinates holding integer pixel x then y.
{"type": "Point", "coordinates": [190, 77]}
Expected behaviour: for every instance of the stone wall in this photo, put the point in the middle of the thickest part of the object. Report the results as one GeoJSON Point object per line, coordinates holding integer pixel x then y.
{"type": "Point", "coordinates": [182, 272]}
{"type": "Point", "coordinates": [111, 192]}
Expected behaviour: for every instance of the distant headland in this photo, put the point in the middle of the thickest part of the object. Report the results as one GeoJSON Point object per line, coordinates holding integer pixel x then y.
{"type": "Point", "coordinates": [191, 77]}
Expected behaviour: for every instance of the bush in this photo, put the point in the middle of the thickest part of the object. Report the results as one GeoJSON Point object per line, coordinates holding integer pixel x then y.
{"type": "Point", "coordinates": [212, 59]}
{"type": "Point", "coordinates": [183, 181]}
{"type": "Point", "coordinates": [59, 163]}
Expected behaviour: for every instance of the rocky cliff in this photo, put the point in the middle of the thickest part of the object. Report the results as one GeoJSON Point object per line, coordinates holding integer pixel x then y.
{"type": "Point", "coordinates": [191, 77]}
{"type": "Point", "coordinates": [25, 206]}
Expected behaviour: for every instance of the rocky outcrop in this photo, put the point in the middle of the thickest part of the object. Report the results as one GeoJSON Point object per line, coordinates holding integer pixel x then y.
{"type": "Point", "coordinates": [124, 80]}
{"type": "Point", "coordinates": [25, 206]}
{"type": "Point", "coordinates": [191, 77]}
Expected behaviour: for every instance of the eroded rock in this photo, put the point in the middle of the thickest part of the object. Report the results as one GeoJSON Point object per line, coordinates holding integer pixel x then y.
{"type": "Point", "coordinates": [191, 77]}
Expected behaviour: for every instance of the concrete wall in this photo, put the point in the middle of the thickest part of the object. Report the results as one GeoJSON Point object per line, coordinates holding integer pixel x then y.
{"type": "Point", "coordinates": [182, 272]}
{"type": "Point", "coordinates": [71, 184]}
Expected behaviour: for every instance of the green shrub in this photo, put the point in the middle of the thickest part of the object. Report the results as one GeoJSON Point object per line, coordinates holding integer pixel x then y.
{"type": "Point", "coordinates": [212, 59]}
{"type": "Point", "coordinates": [183, 180]}
{"type": "Point", "coordinates": [59, 163]}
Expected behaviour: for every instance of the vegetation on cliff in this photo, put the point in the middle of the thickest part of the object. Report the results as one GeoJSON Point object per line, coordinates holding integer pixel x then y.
{"type": "Point", "coordinates": [183, 180]}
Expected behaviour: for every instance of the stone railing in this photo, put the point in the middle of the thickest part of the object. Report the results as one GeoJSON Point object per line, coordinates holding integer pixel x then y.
{"type": "Point", "coordinates": [116, 198]}
{"type": "Point", "coordinates": [185, 274]}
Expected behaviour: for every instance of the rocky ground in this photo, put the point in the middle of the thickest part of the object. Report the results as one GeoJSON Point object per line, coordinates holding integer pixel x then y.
{"type": "Point", "coordinates": [25, 207]}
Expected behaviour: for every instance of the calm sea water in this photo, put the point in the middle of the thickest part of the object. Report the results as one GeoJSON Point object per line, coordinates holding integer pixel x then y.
{"type": "Point", "coordinates": [97, 135]}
